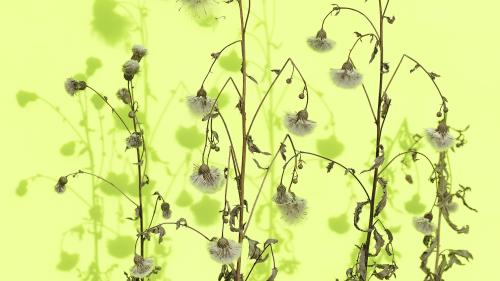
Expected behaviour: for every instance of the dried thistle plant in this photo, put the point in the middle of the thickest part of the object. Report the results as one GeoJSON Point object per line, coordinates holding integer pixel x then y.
{"type": "Point", "coordinates": [348, 76]}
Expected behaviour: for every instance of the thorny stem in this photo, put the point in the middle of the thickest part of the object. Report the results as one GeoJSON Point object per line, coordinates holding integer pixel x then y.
{"type": "Point", "coordinates": [241, 185]}
{"type": "Point", "coordinates": [104, 180]}
{"type": "Point", "coordinates": [139, 165]}
{"type": "Point", "coordinates": [105, 99]}
{"type": "Point", "coordinates": [377, 143]}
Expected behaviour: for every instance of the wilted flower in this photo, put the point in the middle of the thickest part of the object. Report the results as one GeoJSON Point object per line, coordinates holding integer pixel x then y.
{"type": "Point", "coordinates": [206, 179]}
{"type": "Point", "coordinates": [72, 86]}
{"type": "Point", "coordinates": [142, 267]}
{"type": "Point", "coordinates": [134, 140]}
{"type": "Point", "coordinates": [166, 211]}
{"type": "Point", "coordinates": [130, 68]}
{"type": "Point", "coordinates": [223, 250]}
{"type": "Point", "coordinates": [281, 196]}
{"type": "Point", "coordinates": [347, 77]}
{"type": "Point", "coordinates": [124, 95]}
{"type": "Point", "coordinates": [423, 225]}
{"type": "Point", "coordinates": [320, 42]}
{"type": "Point", "coordinates": [61, 184]}
{"type": "Point", "coordinates": [440, 138]}
{"type": "Point", "coordinates": [294, 210]}
{"type": "Point", "coordinates": [200, 104]}
{"type": "Point", "coordinates": [138, 52]}
{"type": "Point", "coordinates": [298, 123]}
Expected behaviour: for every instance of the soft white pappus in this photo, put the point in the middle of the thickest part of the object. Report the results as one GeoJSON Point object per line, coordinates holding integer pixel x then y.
{"type": "Point", "coordinates": [207, 179]}
{"type": "Point", "coordinates": [224, 251]}
{"type": "Point", "coordinates": [299, 123]}
{"type": "Point", "coordinates": [134, 140]}
{"type": "Point", "coordinates": [347, 79]}
{"type": "Point", "coordinates": [138, 52]}
{"type": "Point", "coordinates": [320, 44]}
{"type": "Point", "coordinates": [198, 8]}
{"type": "Point", "coordinates": [200, 105]}
{"type": "Point", "coordinates": [440, 140]}
{"type": "Point", "coordinates": [130, 67]}
{"type": "Point", "coordinates": [142, 267]}
{"type": "Point", "coordinates": [423, 225]}
{"type": "Point", "coordinates": [294, 210]}
{"type": "Point", "coordinates": [72, 86]}
{"type": "Point", "coordinates": [124, 95]}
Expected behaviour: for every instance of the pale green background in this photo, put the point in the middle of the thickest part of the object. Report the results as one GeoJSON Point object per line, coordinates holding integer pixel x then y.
{"type": "Point", "coordinates": [44, 42]}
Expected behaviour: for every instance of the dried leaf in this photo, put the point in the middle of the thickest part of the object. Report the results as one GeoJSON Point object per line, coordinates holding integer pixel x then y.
{"type": "Point", "coordinates": [379, 242]}
{"type": "Point", "coordinates": [383, 201]}
{"type": "Point", "coordinates": [274, 272]}
{"type": "Point", "coordinates": [374, 53]}
{"type": "Point", "coordinates": [329, 167]}
{"type": "Point", "coordinates": [357, 213]}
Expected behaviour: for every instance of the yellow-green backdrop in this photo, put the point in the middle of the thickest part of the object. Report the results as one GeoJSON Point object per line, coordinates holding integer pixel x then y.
{"type": "Point", "coordinates": [50, 236]}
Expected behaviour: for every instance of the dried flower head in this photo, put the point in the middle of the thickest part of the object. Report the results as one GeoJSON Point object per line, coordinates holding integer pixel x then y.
{"type": "Point", "coordinates": [124, 95]}
{"type": "Point", "coordinates": [347, 77]}
{"type": "Point", "coordinates": [223, 250]}
{"type": "Point", "coordinates": [72, 86]}
{"type": "Point", "coordinates": [166, 211]}
{"type": "Point", "coordinates": [423, 225]}
{"type": "Point", "coordinates": [298, 123]}
{"type": "Point", "coordinates": [207, 179]}
{"type": "Point", "coordinates": [134, 140]}
{"type": "Point", "coordinates": [142, 267]}
{"type": "Point", "coordinates": [61, 184]}
{"type": "Point", "coordinates": [130, 68]}
{"type": "Point", "coordinates": [138, 52]}
{"type": "Point", "coordinates": [281, 196]}
{"type": "Point", "coordinates": [294, 210]}
{"type": "Point", "coordinates": [440, 138]}
{"type": "Point", "coordinates": [320, 42]}
{"type": "Point", "coordinates": [200, 104]}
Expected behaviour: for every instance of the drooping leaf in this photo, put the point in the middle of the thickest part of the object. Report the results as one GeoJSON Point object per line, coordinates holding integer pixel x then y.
{"type": "Point", "coordinates": [357, 214]}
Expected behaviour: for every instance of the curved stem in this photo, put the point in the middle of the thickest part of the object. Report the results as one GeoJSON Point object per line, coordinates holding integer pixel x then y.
{"type": "Point", "coordinates": [336, 8]}
{"type": "Point", "coordinates": [183, 225]}
{"type": "Point", "coordinates": [105, 99]}
{"type": "Point", "coordinates": [104, 180]}
{"type": "Point", "coordinates": [404, 153]}
{"type": "Point", "coordinates": [217, 56]}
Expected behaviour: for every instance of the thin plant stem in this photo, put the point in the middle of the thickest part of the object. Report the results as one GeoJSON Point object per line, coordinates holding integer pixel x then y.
{"type": "Point", "coordinates": [337, 8]}
{"type": "Point", "coordinates": [105, 99]}
{"type": "Point", "coordinates": [369, 102]}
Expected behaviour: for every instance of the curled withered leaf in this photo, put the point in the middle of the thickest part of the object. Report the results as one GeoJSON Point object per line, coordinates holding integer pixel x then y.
{"type": "Point", "coordinates": [254, 252]}
{"type": "Point", "coordinates": [274, 273]}
{"type": "Point", "coordinates": [379, 242]}
{"type": "Point", "coordinates": [460, 230]}
{"type": "Point", "coordinates": [417, 66]}
{"type": "Point", "coordinates": [374, 53]}
{"type": "Point", "coordinates": [433, 75]}
{"type": "Point", "coordinates": [252, 147]}
{"type": "Point", "coordinates": [409, 179]}
{"type": "Point", "coordinates": [253, 79]}
{"type": "Point", "coordinates": [270, 241]}
{"type": "Point", "coordinates": [329, 167]}
{"type": "Point", "coordinates": [390, 19]}
{"type": "Point", "coordinates": [383, 201]}
{"type": "Point", "coordinates": [258, 164]}
{"type": "Point", "coordinates": [390, 237]}
{"type": "Point", "coordinates": [425, 257]}
{"type": "Point", "coordinates": [461, 194]}
{"type": "Point", "coordinates": [283, 151]}
{"type": "Point", "coordinates": [180, 222]}
{"type": "Point", "coordinates": [362, 261]}
{"type": "Point", "coordinates": [385, 105]}
{"type": "Point", "coordinates": [357, 213]}
{"type": "Point", "coordinates": [382, 181]}
{"type": "Point", "coordinates": [160, 230]}
{"type": "Point", "coordinates": [212, 115]}
{"type": "Point", "coordinates": [385, 271]}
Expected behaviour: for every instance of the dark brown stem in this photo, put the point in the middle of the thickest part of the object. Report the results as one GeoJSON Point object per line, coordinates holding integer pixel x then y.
{"type": "Point", "coordinates": [180, 225]}
{"type": "Point", "coordinates": [337, 8]}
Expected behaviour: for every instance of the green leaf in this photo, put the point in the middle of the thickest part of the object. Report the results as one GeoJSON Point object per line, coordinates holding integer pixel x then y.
{"type": "Point", "coordinates": [24, 97]}
{"type": "Point", "coordinates": [230, 62]}
{"type": "Point", "coordinates": [93, 64]}
{"type": "Point", "coordinates": [329, 147]}
{"type": "Point", "coordinates": [414, 206]}
{"type": "Point", "coordinates": [121, 246]}
{"type": "Point", "coordinates": [67, 261]}
{"type": "Point", "coordinates": [97, 102]}
{"type": "Point", "coordinates": [206, 211]}
{"type": "Point", "coordinates": [189, 137]}
{"type": "Point", "coordinates": [68, 148]}
{"type": "Point", "coordinates": [339, 224]}
{"type": "Point", "coordinates": [22, 188]}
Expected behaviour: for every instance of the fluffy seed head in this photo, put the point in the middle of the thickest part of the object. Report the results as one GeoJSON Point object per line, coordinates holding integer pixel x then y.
{"type": "Point", "coordinates": [200, 104]}
{"type": "Point", "coordinates": [206, 179]}
{"type": "Point", "coordinates": [72, 86]}
{"type": "Point", "coordinates": [142, 267]}
{"type": "Point", "coordinates": [347, 77]}
{"type": "Point", "coordinates": [134, 140]}
{"type": "Point", "coordinates": [124, 95]}
{"type": "Point", "coordinates": [423, 225]}
{"type": "Point", "coordinates": [223, 250]}
{"type": "Point", "coordinates": [298, 123]}
{"type": "Point", "coordinates": [439, 138]}
{"type": "Point", "coordinates": [130, 68]}
{"type": "Point", "coordinates": [320, 42]}
{"type": "Point", "coordinates": [138, 52]}
{"type": "Point", "coordinates": [294, 210]}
